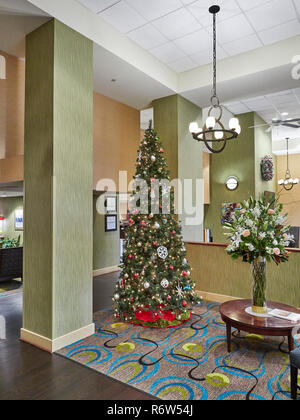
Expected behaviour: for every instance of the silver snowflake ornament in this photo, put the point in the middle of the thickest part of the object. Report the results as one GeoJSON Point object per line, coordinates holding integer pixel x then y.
{"type": "Point", "coordinates": [162, 252]}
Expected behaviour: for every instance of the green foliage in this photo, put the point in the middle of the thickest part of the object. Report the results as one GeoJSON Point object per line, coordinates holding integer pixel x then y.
{"type": "Point", "coordinates": [259, 230]}
{"type": "Point", "coordinates": [144, 271]}
{"type": "Point", "coordinates": [10, 243]}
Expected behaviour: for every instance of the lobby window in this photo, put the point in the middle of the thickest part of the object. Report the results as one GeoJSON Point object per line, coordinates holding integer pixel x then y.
{"type": "Point", "coordinates": [2, 67]}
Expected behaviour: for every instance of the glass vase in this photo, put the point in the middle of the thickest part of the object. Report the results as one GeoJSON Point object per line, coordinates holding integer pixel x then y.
{"type": "Point", "coordinates": [259, 274]}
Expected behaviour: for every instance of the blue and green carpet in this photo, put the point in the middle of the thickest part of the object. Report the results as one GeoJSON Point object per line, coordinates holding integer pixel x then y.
{"type": "Point", "coordinates": [189, 362]}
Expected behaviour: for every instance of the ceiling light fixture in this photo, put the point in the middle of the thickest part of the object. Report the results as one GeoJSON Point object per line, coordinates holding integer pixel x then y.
{"type": "Point", "coordinates": [214, 131]}
{"type": "Point", "coordinates": [289, 182]}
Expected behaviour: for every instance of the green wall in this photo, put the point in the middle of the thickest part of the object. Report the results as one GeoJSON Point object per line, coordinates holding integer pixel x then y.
{"type": "Point", "coordinates": [7, 209]}
{"type": "Point", "coordinates": [58, 181]}
{"type": "Point", "coordinates": [172, 117]}
{"type": "Point", "coordinates": [236, 160]}
{"type": "Point", "coordinates": [106, 244]}
{"type": "Point", "coordinates": [241, 158]}
{"type": "Point", "coordinates": [166, 125]}
{"type": "Point", "coordinates": [263, 147]}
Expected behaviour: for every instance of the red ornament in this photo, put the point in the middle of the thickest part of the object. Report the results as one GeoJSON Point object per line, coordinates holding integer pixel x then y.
{"type": "Point", "coordinates": [161, 151]}
{"type": "Point", "coordinates": [169, 298]}
{"type": "Point", "coordinates": [173, 232]}
{"type": "Point", "coordinates": [132, 300]}
{"type": "Point", "coordinates": [184, 273]}
{"type": "Point", "coordinates": [131, 221]}
{"type": "Point", "coordinates": [184, 303]}
{"type": "Point", "coordinates": [155, 244]}
{"type": "Point", "coordinates": [130, 256]}
{"type": "Point", "coordinates": [171, 267]}
{"type": "Point", "coordinates": [136, 275]}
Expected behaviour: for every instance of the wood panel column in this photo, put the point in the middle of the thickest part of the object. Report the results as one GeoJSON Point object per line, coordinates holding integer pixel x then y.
{"type": "Point", "coordinates": [58, 164]}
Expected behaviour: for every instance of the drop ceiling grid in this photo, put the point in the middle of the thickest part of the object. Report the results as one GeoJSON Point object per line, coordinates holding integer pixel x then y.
{"type": "Point", "coordinates": [179, 32]}
{"type": "Point", "coordinates": [270, 106]}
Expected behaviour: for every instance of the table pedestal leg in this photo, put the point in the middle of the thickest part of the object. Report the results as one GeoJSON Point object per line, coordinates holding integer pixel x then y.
{"type": "Point", "coordinates": [291, 342]}
{"type": "Point", "coordinates": [228, 329]}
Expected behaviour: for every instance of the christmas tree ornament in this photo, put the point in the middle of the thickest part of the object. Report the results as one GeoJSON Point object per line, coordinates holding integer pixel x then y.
{"type": "Point", "coordinates": [164, 283]}
{"type": "Point", "coordinates": [130, 256]}
{"type": "Point", "coordinates": [184, 303]}
{"type": "Point", "coordinates": [157, 225]}
{"type": "Point", "coordinates": [153, 158]}
{"type": "Point", "coordinates": [117, 296]}
{"type": "Point", "coordinates": [162, 252]}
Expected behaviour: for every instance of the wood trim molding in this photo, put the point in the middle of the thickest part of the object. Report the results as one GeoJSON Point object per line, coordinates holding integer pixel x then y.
{"type": "Point", "coordinates": [106, 270]}
{"type": "Point", "coordinates": [51, 346]}
{"type": "Point", "coordinates": [214, 297]}
{"type": "Point", "coordinates": [219, 245]}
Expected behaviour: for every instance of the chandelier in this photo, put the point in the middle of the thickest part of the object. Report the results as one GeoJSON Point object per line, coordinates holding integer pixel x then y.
{"type": "Point", "coordinates": [214, 134]}
{"type": "Point", "coordinates": [289, 182]}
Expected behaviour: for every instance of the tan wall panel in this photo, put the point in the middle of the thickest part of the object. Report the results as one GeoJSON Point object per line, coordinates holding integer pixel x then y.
{"type": "Point", "coordinates": [12, 169]}
{"type": "Point", "coordinates": [12, 97]}
{"type": "Point", "coordinates": [116, 139]}
{"type": "Point", "coordinates": [290, 199]}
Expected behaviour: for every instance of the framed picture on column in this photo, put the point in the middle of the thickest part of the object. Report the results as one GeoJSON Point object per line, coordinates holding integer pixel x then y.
{"type": "Point", "coordinates": [111, 223]}
{"type": "Point", "coordinates": [111, 204]}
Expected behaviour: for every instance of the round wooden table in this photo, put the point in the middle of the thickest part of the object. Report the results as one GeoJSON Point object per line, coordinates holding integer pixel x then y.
{"type": "Point", "coordinates": [234, 315]}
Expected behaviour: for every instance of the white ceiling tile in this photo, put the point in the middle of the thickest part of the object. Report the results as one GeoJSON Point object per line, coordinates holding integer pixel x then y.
{"type": "Point", "coordinates": [182, 65]}
{"type": "Point", "coordinates": [153, 9]}
{"type": "Point", "coordinates": [200, 8]}
{"type": "Point", "coordinates": [272, 14]}
{"type": "Point", "coordinates": [239, 46]}
{"type": "Point", "coordinates": [258, 104]}
{"type": "Point", "coordinates": [237, 108]}
{"type": "Point", "coordinates": [206, 57]}
{"type": "Point", "coordinates": [287, 30]}
{"type": "Point", "coordinates": [248, 5]}
{"type": "Point", "coordinates": [197, 41]}
{"type": "Point", "coordinates": [147, 37]}
{"type": "Point", "coordinates": [177, 24]}
{"type": "Point", "coordinates": [123, 17]}
{"type": "Point", "coordinates": [98, 5]}
{"type": "Point", "coordinates": [168, 52]}
{"type": "Point", "coordinates": [232, 29]}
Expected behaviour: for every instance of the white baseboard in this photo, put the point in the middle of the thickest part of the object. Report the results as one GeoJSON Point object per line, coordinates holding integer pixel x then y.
{"type": "Point", "coordinates": [52, 346]}
{"type": "Point", "coordinates": [214, 297]}
{"type": "Point", "coordinates": [106, 270]}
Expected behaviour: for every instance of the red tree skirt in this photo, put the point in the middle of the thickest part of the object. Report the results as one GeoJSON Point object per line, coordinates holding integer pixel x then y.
{"type": "Point", "coordinates": [159, 319]}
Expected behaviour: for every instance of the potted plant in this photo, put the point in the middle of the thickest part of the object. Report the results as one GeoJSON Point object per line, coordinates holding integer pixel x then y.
{"type": "Point", "coordinates": [258, 234]}
{"type": "Point", "coordinates": [10, 243]}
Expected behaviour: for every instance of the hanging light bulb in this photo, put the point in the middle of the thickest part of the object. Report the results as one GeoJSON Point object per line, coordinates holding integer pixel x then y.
{"type": "Point", "coordinates": [210, 123]}
{"type": "Point", "coordinates": [234, 123]}
{"type": "Point", "coordinates": [219, 135]}
{"type": "Point", "coordinates": [194, 128]}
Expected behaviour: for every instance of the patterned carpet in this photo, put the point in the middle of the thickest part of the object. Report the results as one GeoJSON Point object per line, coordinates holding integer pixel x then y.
{"type": "Point", "coordinates": [189, 362]}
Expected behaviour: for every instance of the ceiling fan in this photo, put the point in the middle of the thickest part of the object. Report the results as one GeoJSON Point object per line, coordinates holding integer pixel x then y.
{"type": "Point", "coordinates": [280, 122]}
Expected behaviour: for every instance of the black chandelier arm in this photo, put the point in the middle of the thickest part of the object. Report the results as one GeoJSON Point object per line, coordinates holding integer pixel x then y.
{"type": "Point", "coordinates": [216, 150]}
{"type": "Point", "coordinates": [201, 136]}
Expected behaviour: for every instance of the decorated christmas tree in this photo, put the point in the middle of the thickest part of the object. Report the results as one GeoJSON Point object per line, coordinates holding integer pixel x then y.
{"type": "Point", "coordinates": [155, 288]}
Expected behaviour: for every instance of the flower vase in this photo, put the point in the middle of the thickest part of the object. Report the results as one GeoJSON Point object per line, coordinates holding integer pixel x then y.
{"type": "Point", "coordinates": [259, 273]}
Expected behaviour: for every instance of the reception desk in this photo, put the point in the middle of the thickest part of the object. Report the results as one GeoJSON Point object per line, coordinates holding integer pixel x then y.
{"type": "Point", "coordinates": [219, 278]}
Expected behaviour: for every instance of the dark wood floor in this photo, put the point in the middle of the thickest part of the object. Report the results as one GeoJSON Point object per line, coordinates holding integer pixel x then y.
{"type": "Point", "coordinates": [27, 373]}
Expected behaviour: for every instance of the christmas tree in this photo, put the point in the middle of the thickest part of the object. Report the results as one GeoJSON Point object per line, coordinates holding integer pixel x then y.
{"type": "Point", "coordinates": [155, 288]}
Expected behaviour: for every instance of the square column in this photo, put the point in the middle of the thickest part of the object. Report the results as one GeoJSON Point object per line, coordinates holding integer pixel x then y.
{"type": "Point", "coordinates": [58, 166]}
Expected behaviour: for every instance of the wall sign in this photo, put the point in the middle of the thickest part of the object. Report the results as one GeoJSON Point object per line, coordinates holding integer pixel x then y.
{"type": "Point", "coordinates": [111, 204]}
{"type": "Point", "coordinates": [111, 223]}
{"type": "Point", "coordinates": [19, 220]}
